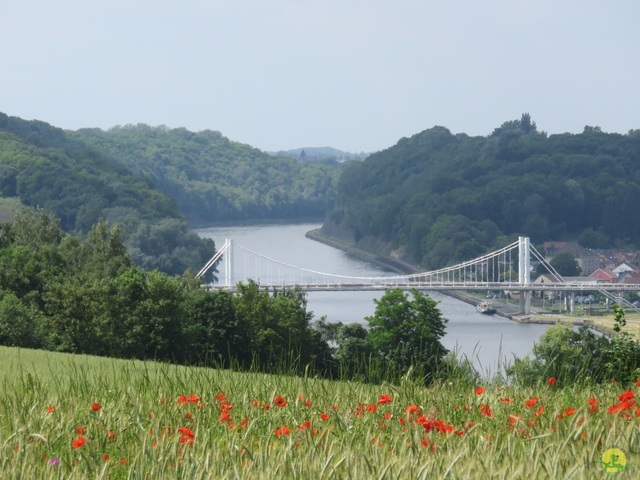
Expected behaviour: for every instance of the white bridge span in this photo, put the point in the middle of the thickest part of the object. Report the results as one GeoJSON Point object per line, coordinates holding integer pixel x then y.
{"type": "Point", "coordinates": [507, 269]}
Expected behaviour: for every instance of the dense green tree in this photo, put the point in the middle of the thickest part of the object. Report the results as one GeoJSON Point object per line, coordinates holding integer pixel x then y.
{"type": "Point", "coordinates": [405, 333]}
{"type": "Point", "coordinates": [565, 264]}
{"type": "Point", "coordinates": [216, 336]}
{"type": "Point", "coordinates": [279, 327]}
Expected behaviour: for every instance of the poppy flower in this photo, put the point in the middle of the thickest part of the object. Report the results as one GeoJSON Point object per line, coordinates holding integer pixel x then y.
{"type": "Point", "coordinates": [531, 402]}
{"type": "Point", "coordinates": [569, 410]}
{"type": "Point", "coordinates": [95, 407]}
{"type": "Point", "coordinates": [384, 399]}
{"type": "Point", "coordinates": [638, 383]}
{"type": "Point", "coordinates": [282, 431]}
{"type": "Point", "coordinates": [324, 416]}
{"type": "Point", "coordinates": [485, 410]}
{"type": "Point", "coordinates": [592, 401]}
{"type": "Point", "coordinates": [413, 409]}
{"type": "Point", "coordinates": [479, 390]}
{"type": "Point", "coordinates": [78, 442]}
{"type": "Point", "coordinates": [80, 430]}
{"type": "Point", "coordinates": [306, 424]}
{"type": "Point", "coordinates": [626, 395]}
{"type": "Point", "coordinates": [552, 380]}
{"type": "Point", "coordinates": [539, 411]}
{"type": "Point", "coordinates": [51, 409]}
{"type": "Point", "coordinates": [280, 401]}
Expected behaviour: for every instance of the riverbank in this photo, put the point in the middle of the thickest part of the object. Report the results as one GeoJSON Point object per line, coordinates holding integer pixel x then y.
{"type": "Point", "coordinates": [603, 324]}
{"type": "Point", "coordinates": [394, 264]}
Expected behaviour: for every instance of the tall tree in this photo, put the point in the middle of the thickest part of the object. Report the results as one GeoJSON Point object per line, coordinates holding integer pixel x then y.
{"type": "Point", "coordinates": [405, 332]}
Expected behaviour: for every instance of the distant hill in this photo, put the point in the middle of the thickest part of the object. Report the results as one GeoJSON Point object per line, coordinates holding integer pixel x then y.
{"type": "Point", "coordinates": [320, 155]}
{"type": "Point", "coordinates": [215, 179]}
{"type": "Point", "coordinates": [437, 198]}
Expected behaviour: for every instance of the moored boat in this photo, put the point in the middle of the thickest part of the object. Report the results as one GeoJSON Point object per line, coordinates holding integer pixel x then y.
{"type": "Point", "coordinates": [485, 308]}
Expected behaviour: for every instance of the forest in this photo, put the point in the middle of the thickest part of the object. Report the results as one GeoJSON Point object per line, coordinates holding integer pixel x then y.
{"type": "Point", "coordinates": [214, 179]}
{"type": "Point", "coordinates": [156, 183]}
{"type": "Point", "coordinates": [441, 198]}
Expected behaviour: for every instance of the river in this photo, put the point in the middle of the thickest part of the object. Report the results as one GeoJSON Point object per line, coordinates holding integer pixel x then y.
{"type": "Point", "coordinates": [490, 342]}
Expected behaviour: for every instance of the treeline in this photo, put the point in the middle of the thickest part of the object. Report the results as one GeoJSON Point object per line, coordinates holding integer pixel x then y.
{"type": "Point", "coordinates": [215, 179]}
{"type": "Point", "coordinates": [61, 293]}
{"type": "Point", "coordinates": [443, 198]}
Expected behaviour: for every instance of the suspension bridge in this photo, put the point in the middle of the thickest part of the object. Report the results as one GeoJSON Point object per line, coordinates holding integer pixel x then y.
{"type": "Point", "coordinates": [507, 269]}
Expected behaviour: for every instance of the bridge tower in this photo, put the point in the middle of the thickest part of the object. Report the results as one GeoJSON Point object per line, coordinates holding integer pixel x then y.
{"type": "Point", "coordinates": [228, 266]}
{"type": "Point", "coordinates": [524, 273]}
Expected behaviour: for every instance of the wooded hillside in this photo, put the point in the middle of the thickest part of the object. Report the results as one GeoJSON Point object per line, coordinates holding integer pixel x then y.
{"type": "Point", "coordinates": [215, 179]}
{"type": "Point", "coordinates": [151, 180]}
{"type": "Point", "coordinates": [443, 198]}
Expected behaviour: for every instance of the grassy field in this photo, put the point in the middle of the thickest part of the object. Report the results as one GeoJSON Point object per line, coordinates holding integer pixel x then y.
{"type": "Point", "coordinates": [65, 416]}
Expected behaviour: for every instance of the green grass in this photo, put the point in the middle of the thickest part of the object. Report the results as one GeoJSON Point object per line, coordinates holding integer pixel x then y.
{"type": "Point", "coordinates": [141, 413]}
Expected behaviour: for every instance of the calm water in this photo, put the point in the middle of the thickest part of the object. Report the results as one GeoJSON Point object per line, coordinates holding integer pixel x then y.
{"type": "Point", "coordinates": [489, 341]}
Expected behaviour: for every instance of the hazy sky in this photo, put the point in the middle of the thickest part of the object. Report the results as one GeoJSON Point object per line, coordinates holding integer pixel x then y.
{"type": "Point", "coordinates": [353, 74]}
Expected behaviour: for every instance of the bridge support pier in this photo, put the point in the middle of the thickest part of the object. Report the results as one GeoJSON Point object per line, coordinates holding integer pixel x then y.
{"type": "Point", "coordinates": [572, 302]}
{"type": "Point", "coordinates": [525, 303]}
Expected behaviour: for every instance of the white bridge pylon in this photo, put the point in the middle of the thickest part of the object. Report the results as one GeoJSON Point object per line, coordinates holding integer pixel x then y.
{"type": "Point", "coordinates": [507, 269]}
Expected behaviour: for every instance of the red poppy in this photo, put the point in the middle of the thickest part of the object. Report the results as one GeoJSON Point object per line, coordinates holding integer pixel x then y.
{"type": "Point", "coordinates": [280, 401]}
{"type": "Point", "coordinates": [95, 407]}
{"type": "Point", "coordinates": [413, 409]}
{"type": "Point", "coordinates": [51, 409]}
{"type": "Point", "coordinates": [307, 424]}
{"type": "Point", "coordinates": [569, 410]}
{"type": "Point", "coordinates": [384, 399]}
{"type": "Point", "coordinates": [592, 401]}
{"type": "Point", "coordinates": [78, 442]}
{"type": "Point", "coordinates": [80, 430]}
{"type": "Point", "coordinates": [372, 408]}
{"type": "Point", "coordinates": [626, 395]}
{"type": "Point", "coordinates": [479, 390]}
{"type": "Point", "coordinates": [111, 435]}
{"type": "Point", "coordinates": [485, 410]}
{"type": "Point", "coordinates": [506, 400]}
{"type": "Point", "coordinates": [638, 383]}
{"type": "Point", "coordinates": [282, 431]}
{"type": "Point", "coordinates": [531, 402]}
{"type": "Point", "coordinates": [552, 380]}
{"type": "Point", "coordinates": [186, 431]}
{"type": "Point", "coordinates": [324, 416]}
